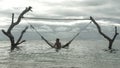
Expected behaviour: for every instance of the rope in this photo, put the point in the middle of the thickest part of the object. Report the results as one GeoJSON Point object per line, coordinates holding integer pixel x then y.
{"type": "Point", "coordinates": [67, 44]}
{"type": "Point", "coordinates": [40, 35]}
{"type": "Point", "coordinates": [35, 29]}
{"type": "Point", "coordinates": [52, 18]}
{"type": "Point", "coordinates": [82, 30]}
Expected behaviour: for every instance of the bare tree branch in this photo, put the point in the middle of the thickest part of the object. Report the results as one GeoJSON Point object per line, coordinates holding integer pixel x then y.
{"type": "Point", "coordinates": [12, 18]}
{"type": "Point", "coordinates": [19, 39]}
{"type": "Point", "coordinates": [111, 40]}
{"type": "Point", "coordinates": [116, 33]}
{"type": "Point", "coordinates": [21, 15]}
{"type": "Point", "coordinates": [4, 32]}
{"type": "Point", "coordinates": [99, 29]}
{"type": "Point", "coordinates": [13, 24]}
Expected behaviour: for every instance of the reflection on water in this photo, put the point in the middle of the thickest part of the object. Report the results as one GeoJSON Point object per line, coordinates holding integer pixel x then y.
{"type": "Point", "coordinates": [81, 54]}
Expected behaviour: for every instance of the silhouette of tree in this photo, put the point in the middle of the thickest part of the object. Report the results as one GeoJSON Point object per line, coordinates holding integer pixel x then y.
{"type": "Point", "coordinates": [111, 40]}
{"type": "Point", "coordinates": [9, 34]}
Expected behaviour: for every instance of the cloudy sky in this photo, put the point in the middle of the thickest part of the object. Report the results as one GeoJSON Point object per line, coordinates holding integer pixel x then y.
{"type": "Point", "coordinates": [106, 13]}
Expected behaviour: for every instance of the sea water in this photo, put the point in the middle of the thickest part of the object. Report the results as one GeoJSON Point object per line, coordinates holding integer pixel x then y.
{"type": "Point", "coordinates": [80, 54]}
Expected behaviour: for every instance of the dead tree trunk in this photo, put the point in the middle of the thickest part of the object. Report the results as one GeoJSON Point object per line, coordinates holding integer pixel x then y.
{"type": "Point", "coordinates": [13, 24]}
{"type": "Point", "coordinates": [111, 40]}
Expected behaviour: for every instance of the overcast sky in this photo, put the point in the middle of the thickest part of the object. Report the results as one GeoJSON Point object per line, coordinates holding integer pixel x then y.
{"type": "Point", "coordinates": [106, 13]}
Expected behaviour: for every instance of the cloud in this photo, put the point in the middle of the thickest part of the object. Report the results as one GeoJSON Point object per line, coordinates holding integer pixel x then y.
{"type": "Point", "coordinates": [65, 8]}
{"type": "Point", "coordinates": [75, 29]}
{"type": "Point", "coordinates": [105, 12]}
{"type": "Point", "coordinates": [45, 28]}
{"type": "Point", "coordinates": [59, 29]}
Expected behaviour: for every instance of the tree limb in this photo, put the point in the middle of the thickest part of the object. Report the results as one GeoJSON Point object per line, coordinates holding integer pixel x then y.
{"type": "Point", "coordinates": [19, 19]}
{"type": "Point", "coordinates": [21, 15]}
{"type": "Point", "coordinates": [19, 39]}
{"type": "Point", "coordinates": [4, 32]}
{"type": "Point", "coordinates": [12, 18]}
{"type": "Point", "coordinates": [21, 42]}
{"type": "Point", "coordinates": [99, 29]}
{"type": "Point", "coordinates": [116, 33]}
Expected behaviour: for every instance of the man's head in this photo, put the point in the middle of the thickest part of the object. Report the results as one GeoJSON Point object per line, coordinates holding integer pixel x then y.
{"type": "Point", "coordinates": [57, 39]}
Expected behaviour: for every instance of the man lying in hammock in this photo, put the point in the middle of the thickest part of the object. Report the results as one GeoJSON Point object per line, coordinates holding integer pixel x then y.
{"type": "Point", "coordinates": [57, 44]}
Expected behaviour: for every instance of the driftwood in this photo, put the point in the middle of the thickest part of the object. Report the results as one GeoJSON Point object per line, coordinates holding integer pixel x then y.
{"type": "Point", "coordinates": [13, 24]}
{"type": "Point", "coordinates": [111, 40]}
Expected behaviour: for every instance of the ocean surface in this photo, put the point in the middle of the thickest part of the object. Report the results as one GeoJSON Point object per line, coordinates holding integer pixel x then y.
{"type": "Point", "coordinates": [81, 54]}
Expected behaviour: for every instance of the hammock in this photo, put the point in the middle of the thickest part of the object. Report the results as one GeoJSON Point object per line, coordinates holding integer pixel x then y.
{"type": "Point", "coordinates": [64, 46]}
